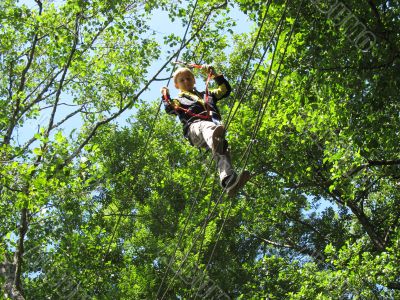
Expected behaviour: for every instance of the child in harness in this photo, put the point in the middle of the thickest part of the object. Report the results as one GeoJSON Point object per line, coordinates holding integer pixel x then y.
{"type": "Point", "coordinates": [201, 120]}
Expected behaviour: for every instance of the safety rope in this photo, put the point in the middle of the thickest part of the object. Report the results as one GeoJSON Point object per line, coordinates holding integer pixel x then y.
{"type": "Point", "coordinates": [256, 130]}
{"type": "Point", "coordinates": [194, 202]}
{"type": "Point", "coordinates": [204, 226]}
{"type": "Point", "coordinates": [147, 141]}
{"type": "Point", "coordinates": [210, 214]}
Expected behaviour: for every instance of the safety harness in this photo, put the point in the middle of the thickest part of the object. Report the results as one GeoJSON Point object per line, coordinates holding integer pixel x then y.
{"type": "Point", "coordinates": [208, 115]}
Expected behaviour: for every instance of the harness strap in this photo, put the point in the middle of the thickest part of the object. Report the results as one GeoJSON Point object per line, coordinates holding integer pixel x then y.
{"type": "Point", "coordinates": [206, 95]}
{"type": "Point", "coordinates": [208, 115]}
{"type": "Point", "coordinates": [185, 110]}
{"type": "Point", "coordinates": [189, 65]}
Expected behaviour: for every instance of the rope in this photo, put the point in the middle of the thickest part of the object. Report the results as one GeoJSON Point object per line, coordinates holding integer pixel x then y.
{"type": "Point", "coordinates": [191, 210]}
{"type": "Point", "coordinates": [208, 217]}
{"type": "Point", "coordinates": [239, 84]}
{"type": "Point", "coordinates": [256, 70]}
{"type": "Point", "coordinates": [257, 126]}
{"type": "Point", "coordinates": [230, 206]}
{"type": "Point", "coordinates": [172, 71]}
{"type": "Point", "coordinates": [194, 202]}
{"type": "Point", "coordinates": [148, 138]}
{"type": "Point", "coordinates": [210, 214]}
{"type": "Point", "coordinates": [192, 245]}
{"type": "Point", "coordinates": [261, 117]}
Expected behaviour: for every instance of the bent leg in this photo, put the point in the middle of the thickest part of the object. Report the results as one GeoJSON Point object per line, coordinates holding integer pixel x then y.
{"type": "Point", "coordinates": [207, 134]}
{"type": "Point", "coordinates": [201, 135]}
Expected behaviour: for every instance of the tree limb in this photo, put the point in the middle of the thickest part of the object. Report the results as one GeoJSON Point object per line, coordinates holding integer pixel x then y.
{"type": "Point", "coordinates": [7, 270]}
{"type": "Point", "coordinates": [63, 76]}
{"type": "Point", "coordinates": [377, 241]}
{"type": "Point", "coordinates": [377, 16]}
{"type": "Point", "coordinates": [128, 105]}
{"type": "Point", "coordinates": [14, 117]}
{"type": "Point", "coordinates": [33, 139]}
{"type": "Point", "coordinates": [371, 163]}
{"type": "Point", "coordinates": [18, 258]}
{"type": "Point", "coordinates": [301, 249]}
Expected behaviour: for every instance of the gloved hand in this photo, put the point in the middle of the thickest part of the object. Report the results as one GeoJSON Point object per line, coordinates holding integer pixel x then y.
{"type": "Point", "coordinates": [172, 103]}
{"type": "Point", "coordinates": [209, 69]}
{"type": "Point", "coordinates": [164, 90]}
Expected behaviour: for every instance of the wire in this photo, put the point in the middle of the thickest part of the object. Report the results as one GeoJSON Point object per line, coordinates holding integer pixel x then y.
{"type": "Point", "coordinates": [230, 206]}
{"type": "Point", "coordinates": [170, 76]}
{"type": "Point", "coordinates": [148, 137]}
{"type": "Point", "coordinates": [261, 117]}
{"type": "Point", "coordinates": [195, 201]}
{"type": "Point", "coordinates": [239, 84]}
{"type": "Point", "coordinates": [256, 70]}
{"type": "Point", "coordinates": [191, 210]}
{"type": "Point", "coordinates": [192, 245]}
{"type": "Point", "coordinates": [212, 211]}
{"type": "Point", "coordinates": [209, 215]}
{"type": "Point", "coordinates": [257, 127]}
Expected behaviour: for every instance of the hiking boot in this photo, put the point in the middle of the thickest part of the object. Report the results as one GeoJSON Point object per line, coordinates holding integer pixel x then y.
{"type": "Point", "coordinates": [218, 139]}
{"type": "Point", "coordinates": [235, 185]}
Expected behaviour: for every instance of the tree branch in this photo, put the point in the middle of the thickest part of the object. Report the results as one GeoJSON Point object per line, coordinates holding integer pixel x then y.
{"type": "Point", "coordinates": [18, 258]}
{"type": "Point", "coordinates": [394, 285]}
{"type": "Point", "coordinates": [7, 271]}
{"type": "Point", "coordinates": [14, 117]}
{"type": "Point", "coordinates": [66, 67]}
{"type": "Point", "coordinates": [377, 16]}
{"type": "Point", "coordinates": [128, 105]}
{"type": "Point", "coordinates": [40, 96]}
{"type": "Point", "coordinates": [301, 249]}
{"type": "Point", "coordinates": [309, 226]}
{"type": "Point", "coordinates": [377, 241]}
{"type": "Point", "coordinates": [23, 227]}
{"type": "Point", "coordinates": [371, 163]}
{"type": "Point", "coordinates": [33, 139]}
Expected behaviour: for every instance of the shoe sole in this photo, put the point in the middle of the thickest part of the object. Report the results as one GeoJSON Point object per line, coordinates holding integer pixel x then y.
{"type": "Point", "coordinates": [240, 182]}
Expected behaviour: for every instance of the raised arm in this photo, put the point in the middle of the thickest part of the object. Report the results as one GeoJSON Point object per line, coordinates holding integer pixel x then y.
{"type": "Point", "coordinates": [224, 89]}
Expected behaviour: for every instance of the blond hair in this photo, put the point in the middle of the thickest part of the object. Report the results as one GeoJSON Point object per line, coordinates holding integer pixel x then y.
{"type": "Point", "coordinates": [180, 71]}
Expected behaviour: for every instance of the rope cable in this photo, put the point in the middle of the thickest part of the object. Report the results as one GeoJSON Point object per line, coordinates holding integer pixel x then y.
{"type": "Point", "coordinates": [256, 129]}
{"type": "Point", "coordinates": [248, 63]}
{"type": "Point", "coordinates": [276, 77]}
{"type": "Point", "coordinates": [239, 84]}
{"type": "Point", "coordinates": [191, 210]}
{"type": "Point", "coordinates": [217, 202]}
{"type": "Point", "coordinates": [256, 70]}
{"type": "Point", "coordinates": [208, 217]}
{"type": "Point", "coordinates": [149, 136]}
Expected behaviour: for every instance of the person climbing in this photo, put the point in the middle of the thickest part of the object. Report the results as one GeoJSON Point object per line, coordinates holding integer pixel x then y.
{"type": "Point", "coordinates": [201, 119]}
